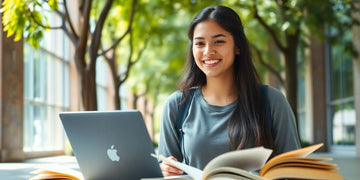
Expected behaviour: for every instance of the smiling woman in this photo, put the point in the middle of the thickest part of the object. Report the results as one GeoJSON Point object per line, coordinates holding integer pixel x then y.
{"type": "Point", "coordinates": [225, 106]}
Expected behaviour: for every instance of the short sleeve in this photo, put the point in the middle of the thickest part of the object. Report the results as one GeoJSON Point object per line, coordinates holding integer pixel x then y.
{"type": "Point", "coordinates": [286, 137]}
{"type": "Point", "coordinates": [169, 142]}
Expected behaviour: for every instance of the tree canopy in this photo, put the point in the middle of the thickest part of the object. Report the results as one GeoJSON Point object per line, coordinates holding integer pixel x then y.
{"type": "Point", "coordinates": [145, 42]}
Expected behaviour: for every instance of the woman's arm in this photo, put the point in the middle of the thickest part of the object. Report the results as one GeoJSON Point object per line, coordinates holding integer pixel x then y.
{"type": "Point", "coordinates": [169, 143]}
{"type": "Point", "coordinates": [286, 136]}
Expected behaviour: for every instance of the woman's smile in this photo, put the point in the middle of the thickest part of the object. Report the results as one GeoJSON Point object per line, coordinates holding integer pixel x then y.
{"type": "Point", "coordinates": [209, 62]}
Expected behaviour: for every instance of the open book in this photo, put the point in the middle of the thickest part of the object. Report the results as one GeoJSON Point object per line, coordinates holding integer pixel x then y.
{"type": "Point", "coordinates": [243, 163]}
{"type": "Point", "coordinates": [56, 172]}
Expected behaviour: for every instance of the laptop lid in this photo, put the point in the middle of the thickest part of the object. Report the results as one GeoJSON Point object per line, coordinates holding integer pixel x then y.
{"type": "Point", "coordinates": [111, 144]}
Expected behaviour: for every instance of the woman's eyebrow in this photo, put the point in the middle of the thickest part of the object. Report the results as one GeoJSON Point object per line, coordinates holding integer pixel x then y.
{"type": "Point", "coordinates": [218, 35]}
{"type": "Point", "coordinates": [196, 38]}
{"type": "Point", "coordinates": [214, 36]}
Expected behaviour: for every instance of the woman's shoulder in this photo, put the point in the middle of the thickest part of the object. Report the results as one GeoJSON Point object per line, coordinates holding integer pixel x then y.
{"type": "Point", "coordinates": [174, 97]}
{"type": "Point", "coordinates": [274, 92]}
{"type": "Point", "coordinates": [278, 101]}
{"type": "Point", "coordinates": [178, 95]}
{"type": "Point", "coordinates": [276, 96]}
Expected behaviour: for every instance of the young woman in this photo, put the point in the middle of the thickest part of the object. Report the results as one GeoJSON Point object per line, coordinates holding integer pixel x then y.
{"type": "Point", "coordinates": [227, 109]}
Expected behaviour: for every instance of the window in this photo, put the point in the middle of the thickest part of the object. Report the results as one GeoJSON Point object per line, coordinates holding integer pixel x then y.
{"type": "Point", "coordinates": [46, 92]}
{"type": "Point", "coordinates": [341, 97]}
{"type": "Point", "coordinates": [101, 83]}
{"type": "Point", "coordinates": [301, 111]}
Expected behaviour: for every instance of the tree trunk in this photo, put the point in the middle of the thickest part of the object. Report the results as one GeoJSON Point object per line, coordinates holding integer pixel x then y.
{"type": "Point", "coordinates": [117, 98]}
{"type": "Point", "coordinates": [291, 80]}
{"type": "Point", "coordinates": [115, 79]}
{"type": "Point", "coordinates": [86, 73]}
{"type": "Point", "coordinates": [88, 89]}
{"type": "Point", "coordinates": [291, 72]}
{"type": "Point", "coordinates": [134, 102]}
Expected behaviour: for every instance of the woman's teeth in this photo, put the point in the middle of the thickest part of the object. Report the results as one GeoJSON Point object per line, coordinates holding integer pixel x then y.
{"type": "Point", "coordinates": [211, 62]}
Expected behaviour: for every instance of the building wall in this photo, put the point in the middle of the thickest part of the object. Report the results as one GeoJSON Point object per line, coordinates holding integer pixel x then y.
{"type": "Point", "coordinates": [356, 67]}
{"type": "Point", "coordinates": [318, 93]}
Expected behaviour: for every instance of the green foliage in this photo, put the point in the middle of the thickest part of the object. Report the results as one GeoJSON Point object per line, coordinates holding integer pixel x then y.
{"type": "Point", "coordinates": [159, 68]}
{"type": "Point", "coordinates": [26, 18]}
{"type": "Point", "coordinates": [161, 26]}
{"type": "Point", "coordinates": [53, 4]}
{"type": "Point", "coordinates": [14, 21]}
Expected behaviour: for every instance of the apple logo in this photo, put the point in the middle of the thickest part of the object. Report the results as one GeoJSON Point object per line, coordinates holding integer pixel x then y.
{"type": "Point", "coordinates": [112, 153]}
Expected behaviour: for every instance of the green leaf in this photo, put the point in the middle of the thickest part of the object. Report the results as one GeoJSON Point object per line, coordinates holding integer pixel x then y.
{"type": "Point", "coordinates": [53, 4]}
{"type": "Point", "coordinates": [285, 26]}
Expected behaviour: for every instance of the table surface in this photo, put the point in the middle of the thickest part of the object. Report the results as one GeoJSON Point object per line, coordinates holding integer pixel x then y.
{"type": "Point", "coordinates": [22, 170]}
{"type": "Point", "coordinates": [348, 166]}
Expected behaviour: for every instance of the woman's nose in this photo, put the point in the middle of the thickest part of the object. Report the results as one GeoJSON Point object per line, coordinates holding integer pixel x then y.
{"type": "Point", "coordinates": [209, 50]}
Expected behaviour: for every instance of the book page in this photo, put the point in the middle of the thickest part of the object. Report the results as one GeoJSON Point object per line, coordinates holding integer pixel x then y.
{"type": "Point", "coordinates": [301, 162]}
{"type": "Point", "coordinates": [230, 173]}
{"type": "Point", "coordinates": [52, 176]}
{"type": "Point", "coordinates": [227, 177]}
{"type": "Point", "coordinates": [56, 170]}
{"type": "Point", "coordinates": [194, 173]}
{"type": "Point", "coordinates": [302, 173]}
{"type": "Point", "coordinates": [247, 159]}
{"type": "Point", "coordinates": [180, 177]}
{"type": "Point", "coordinates": [303, 152]}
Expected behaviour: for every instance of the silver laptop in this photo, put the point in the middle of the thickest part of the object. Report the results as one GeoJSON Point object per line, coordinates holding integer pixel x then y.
{"type": "Point", "coordinates": [111, 144]}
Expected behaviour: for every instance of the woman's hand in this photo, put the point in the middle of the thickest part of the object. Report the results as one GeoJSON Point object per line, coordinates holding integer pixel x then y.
{"type": "Point", "coordinates": [169, 170]}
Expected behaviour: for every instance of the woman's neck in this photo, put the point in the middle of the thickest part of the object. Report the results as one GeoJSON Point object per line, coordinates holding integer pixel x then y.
{"type": "Point", "coordinates": [219, 91]}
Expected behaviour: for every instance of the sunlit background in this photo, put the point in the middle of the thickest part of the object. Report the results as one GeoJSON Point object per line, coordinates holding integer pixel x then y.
{"type": "Point", "coordinates": [139, 59]}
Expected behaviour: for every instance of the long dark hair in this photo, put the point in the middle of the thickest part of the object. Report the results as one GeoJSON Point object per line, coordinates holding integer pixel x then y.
{"type": "Point", "coordinates": [247, 125]}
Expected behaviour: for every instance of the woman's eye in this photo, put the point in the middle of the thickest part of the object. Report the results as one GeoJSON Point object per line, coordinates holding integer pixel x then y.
{"type": "Point", "coordinates": [219, 42]}
{"type": "Point", "coordinates": [199, 43]}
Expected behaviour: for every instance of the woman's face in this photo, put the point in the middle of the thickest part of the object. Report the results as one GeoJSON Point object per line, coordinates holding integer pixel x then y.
{"type": "Point", "coordinates": [213, 49]}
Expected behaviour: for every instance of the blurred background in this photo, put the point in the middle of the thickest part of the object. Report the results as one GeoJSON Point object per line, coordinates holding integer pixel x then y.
{"type": "Point", "coordinates": [81, 55]}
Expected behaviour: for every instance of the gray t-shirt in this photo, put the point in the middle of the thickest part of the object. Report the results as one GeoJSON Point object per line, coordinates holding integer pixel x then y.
{"type": "Point", "coordinates": [205, 128]}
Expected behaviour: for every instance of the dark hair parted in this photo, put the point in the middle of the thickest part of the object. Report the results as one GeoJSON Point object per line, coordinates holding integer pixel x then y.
{"type": "Point", "coordinates": [247, 125]}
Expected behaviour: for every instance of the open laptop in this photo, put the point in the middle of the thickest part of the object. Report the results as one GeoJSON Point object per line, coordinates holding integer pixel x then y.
{"type": "Point", "coordinates": [111, 144]}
